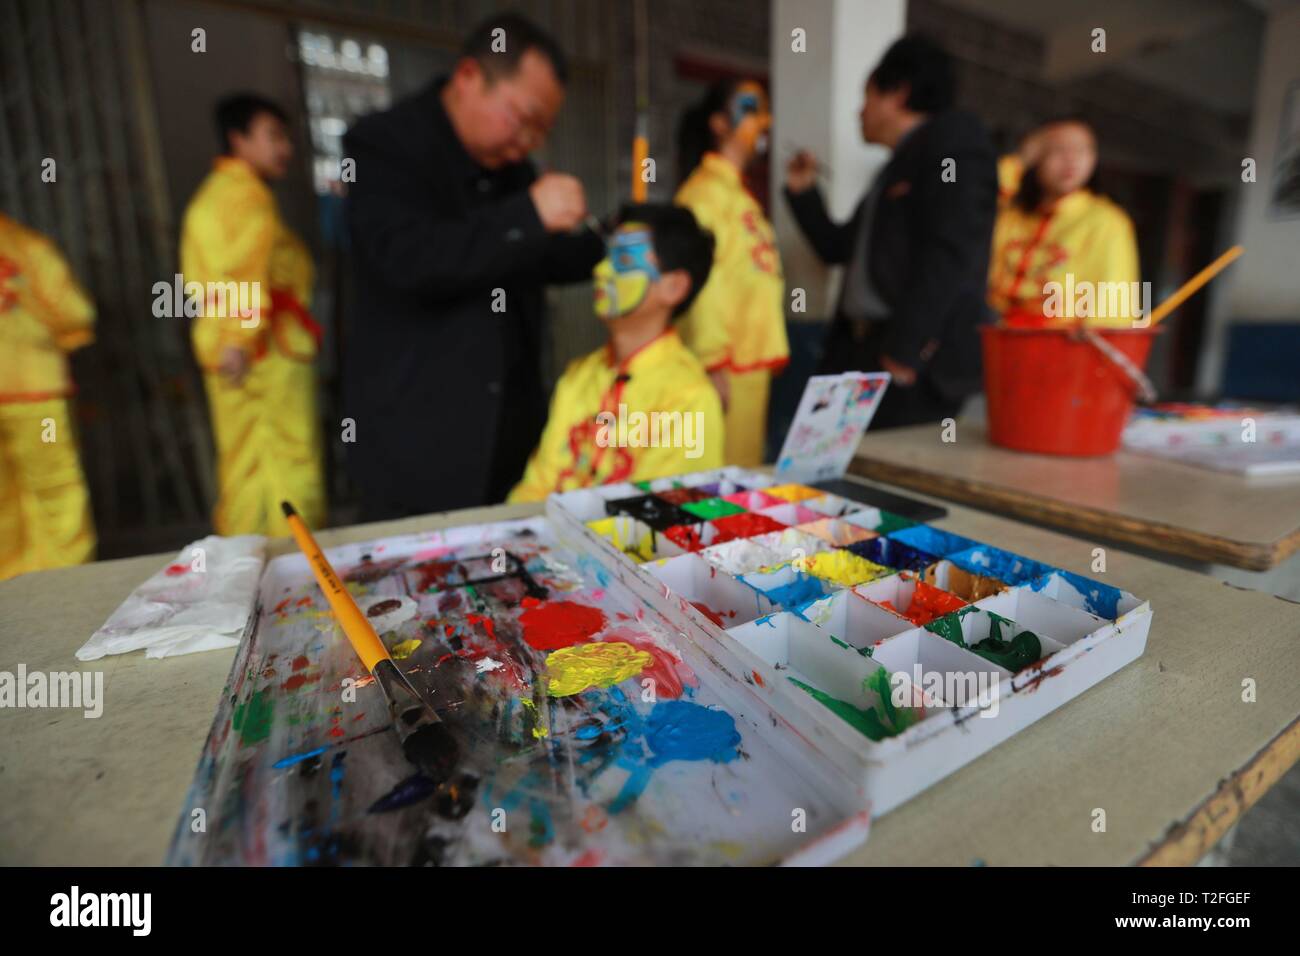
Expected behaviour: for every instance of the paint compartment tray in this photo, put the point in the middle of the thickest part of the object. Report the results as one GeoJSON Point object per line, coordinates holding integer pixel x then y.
{"type": "Point", "coordinates": [899, 669]}
{"type": "Point", "coordinates": [669, 762]}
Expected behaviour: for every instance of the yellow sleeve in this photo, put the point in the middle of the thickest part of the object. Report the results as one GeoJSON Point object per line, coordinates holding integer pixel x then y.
{"type": "Point", "coordinates": [1010, 171]}
{"type": "Point", "coordinates": [1114, 259]}
{"type": "Point", "coordinates": [60, 303]}
{"type": "Point", "coordinates": [705, 328]}
{"type": "Point", "coordinates": [703, 445]}
{"type": "Point", "coordinates": [543, 469]}
{"type": "Point", "coordinates": [738, 319]}
{"type": "Point", "coordinates": [235, 247]}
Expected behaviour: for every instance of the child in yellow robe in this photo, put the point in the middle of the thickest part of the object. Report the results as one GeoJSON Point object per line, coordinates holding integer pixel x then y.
{"type": "Point", "coordinates": [254, 338]}
{"type": "Point", "coordinates": [641, 406]}
{"type": "Point", "coordinates": [1061, 253]}
{"type": "Point", "coordinates": [737, 324]}
{"type": "Point", "coordinates": [45, 517]}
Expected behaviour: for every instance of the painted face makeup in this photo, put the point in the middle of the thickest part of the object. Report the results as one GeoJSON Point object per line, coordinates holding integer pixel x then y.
{"type": "Point", "coordinates": [750, 115]}
{"type": "Point", "coordinates": [623, 278]}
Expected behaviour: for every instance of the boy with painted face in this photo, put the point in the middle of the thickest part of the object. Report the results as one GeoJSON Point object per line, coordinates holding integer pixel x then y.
{"type": "Point", "coordinates": [641, 406]}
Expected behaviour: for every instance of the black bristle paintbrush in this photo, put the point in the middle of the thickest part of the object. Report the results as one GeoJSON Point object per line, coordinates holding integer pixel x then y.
{"type": "Point", "coordinates": [426, 741]}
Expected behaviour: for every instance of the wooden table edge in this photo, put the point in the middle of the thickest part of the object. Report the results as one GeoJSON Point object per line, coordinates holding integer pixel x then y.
{"type": "Point", "coordinates": [1082, 519]}
{"type": "Point", "coordinates": [1186, 842]}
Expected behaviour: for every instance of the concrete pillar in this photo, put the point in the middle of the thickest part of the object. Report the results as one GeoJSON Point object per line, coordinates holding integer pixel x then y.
{"type": "Point", "coordinates": [816, 95]}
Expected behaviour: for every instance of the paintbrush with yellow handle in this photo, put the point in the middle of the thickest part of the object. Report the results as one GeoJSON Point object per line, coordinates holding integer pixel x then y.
{"type": "Point", "coordinates": [1193, 285]}
{"type": "Point", "coordinates": [426, 741]}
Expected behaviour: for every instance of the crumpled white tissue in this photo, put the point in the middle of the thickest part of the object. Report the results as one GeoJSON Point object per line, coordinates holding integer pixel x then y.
{"type": "Point", "coordinates": [182, 609]}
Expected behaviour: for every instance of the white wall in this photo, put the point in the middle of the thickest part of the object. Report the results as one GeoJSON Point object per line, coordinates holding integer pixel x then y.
{"type": "Point", "coordinates": [816, 96]}
{"type": "Point", "coordinates": [1264, 284]}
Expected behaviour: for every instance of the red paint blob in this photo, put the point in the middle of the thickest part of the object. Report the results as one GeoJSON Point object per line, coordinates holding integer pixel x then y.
{"type": "Point", "coordinates": [300, 662]}
{"type": "Point", "coordinates": [176, 569]}
{"type": "Point", "coordinates": [708, 612]}
{"type": "Point", "coordinates": [681, 496]}
{"type": "Point", "coordinates": [433, 575]}
{"type": "Point", "coordinates": [548, 627]}
{"type": "Point", "coordinates": [745, 526]}
{"type": "Point", "coordinates": [928, 603]}
{"type": "Point", "coordinates": [685, 536]}
{"type": "Point", "coordinates": [668, 673]}
{"type": "Point", "coordinates": [488, 624]}
{"type": "Point", "coordinates": [298, 680]}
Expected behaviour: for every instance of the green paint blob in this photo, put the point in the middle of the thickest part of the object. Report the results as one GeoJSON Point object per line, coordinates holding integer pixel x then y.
{"type": "Point", "coordinates": [897, 718]}
{"type": "Point", "coordinates": [949, 628]}
{"type": "Point", "coordinates": [251, 719]}
{"type": "Point", "coordinates": [1015, 654]}
{"type": "Point", "coordinates": [892, 522]}
{"type": "Point", "coordinates": [710, 508]}
{"type": "Point", "coordinates": [887, 721]}
{"type": "Point", "coordinates": [865, 722]}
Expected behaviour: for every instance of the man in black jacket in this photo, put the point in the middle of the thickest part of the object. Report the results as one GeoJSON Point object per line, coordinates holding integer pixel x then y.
{"type": "Point", "coordinates": [916, 248]}
{"type": "Point", "coordinates": [454, 236]}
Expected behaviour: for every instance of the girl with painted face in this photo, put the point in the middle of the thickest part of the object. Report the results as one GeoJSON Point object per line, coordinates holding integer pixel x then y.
{"type": "Point", "coordinates": [737, 323]}
{"type": "Point", "coordinates": [1054, 231]}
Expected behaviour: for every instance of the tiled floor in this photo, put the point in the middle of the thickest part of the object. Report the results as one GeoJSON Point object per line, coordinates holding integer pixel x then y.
{"type": "Point", "coordinates": [1269, 833]}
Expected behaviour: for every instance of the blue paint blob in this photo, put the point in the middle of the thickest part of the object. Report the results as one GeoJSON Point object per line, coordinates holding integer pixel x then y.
{"type": "Point", "coordinates": [681, 730]}
{"type": "Point", "coordinates": [298, 758]}
{"type": "Point", "coordinates": [1002, 565]}
{"type": "Point", "coordinates": [893, 554]}
{"type": "Point", "coordinates": [1100, 599]}
{"type": "Point", "coordinates": [801, 590]}
{"type": "Point", "coordinates": [413, 789]}
{"type": "Point", "coordinates": [932, 540]}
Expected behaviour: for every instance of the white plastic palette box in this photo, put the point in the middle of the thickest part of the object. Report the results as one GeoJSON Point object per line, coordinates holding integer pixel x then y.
{"type": "Point", "coordinates": [886, 703]}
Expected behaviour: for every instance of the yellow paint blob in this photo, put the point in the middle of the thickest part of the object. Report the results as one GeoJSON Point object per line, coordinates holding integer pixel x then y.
{"type": "Point", "coordinates": [844, 568]}
{"type": "Point", "coordinates": [405, 649]}
{"type": "Point", "coordinates": [793, 492]}
{"type": "Point", "coordinates": [627, 534]}
{"type": "Point", "coordinates": [573, 669]}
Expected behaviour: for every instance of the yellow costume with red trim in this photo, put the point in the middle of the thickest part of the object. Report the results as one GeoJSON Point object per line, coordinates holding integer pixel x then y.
{"type": "Point", "coordinates": [266, 428]}
{"type": "Point", "coordinates": [45, 518]}
{"type": "Point", "coordinates": [1082, 238]}
{"type": "Point", "coordinates": [737, 322]}
{"type": "Point", "coordinates": [581, 446]}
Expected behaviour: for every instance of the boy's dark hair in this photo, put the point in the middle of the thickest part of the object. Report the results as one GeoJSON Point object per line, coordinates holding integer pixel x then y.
{"type": "Point", "coordinates": [924, 67]}
{"type": "Point", "coordinates": [1030, 194]}
{"type": "Point", "coordinates": [680, 243]}
{"type": "Point", "coordinates": [235, 113]}
{"type": "Point", "coordinates": [521, 35]}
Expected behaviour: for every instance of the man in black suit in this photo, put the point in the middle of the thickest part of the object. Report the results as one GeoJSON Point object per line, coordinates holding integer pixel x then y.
{"type": "Point", "coordinates": [454, 237]}
{"type": "Point", "coordinates": [916, 248]}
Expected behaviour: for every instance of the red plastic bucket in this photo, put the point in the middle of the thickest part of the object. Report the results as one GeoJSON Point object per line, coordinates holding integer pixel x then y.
{"type": "Point", "coordinates": [1054, 392]}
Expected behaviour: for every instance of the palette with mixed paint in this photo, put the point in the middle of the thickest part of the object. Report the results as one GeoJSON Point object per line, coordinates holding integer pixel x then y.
{"type": "Point", "coordinates": [895, 651]}
{"type": "Point", "coordinates": [591, 730]}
